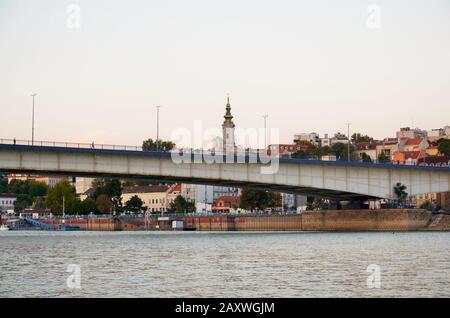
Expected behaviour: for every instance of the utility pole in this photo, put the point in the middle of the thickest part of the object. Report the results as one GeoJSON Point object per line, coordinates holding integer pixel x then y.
{"type": "Point", "coordinates": [348, 143]}
{"type": "Point", "coordinates": [157, 127]}
{"type": "Point", "coordinates": [265, 131]}
{"type": "Point", "coordinates": [32, 121]}
{"type": "Point", "coordinates": [64, 206]}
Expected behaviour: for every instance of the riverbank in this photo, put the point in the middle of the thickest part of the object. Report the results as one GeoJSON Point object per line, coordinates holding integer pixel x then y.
{"type": "Point", "coordinates": [329, 220]}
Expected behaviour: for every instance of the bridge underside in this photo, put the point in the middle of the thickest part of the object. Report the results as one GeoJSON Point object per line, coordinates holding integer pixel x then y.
{"type": "Point", "coordinates": [309, 191]}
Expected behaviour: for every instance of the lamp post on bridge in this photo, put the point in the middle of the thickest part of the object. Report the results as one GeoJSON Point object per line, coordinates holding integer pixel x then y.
{"type": "Point", "coordinates": [265, 131]}
{"type": "Point", "coordinates": [157, 127]}
{"type": "Point", "coordinates": [348, 142]}
{"type": "Point", "coordinates": [32, 121]}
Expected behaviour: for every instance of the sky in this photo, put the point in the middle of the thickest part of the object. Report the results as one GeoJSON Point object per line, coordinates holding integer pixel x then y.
{"type": "Point", "coordinates": [311, 66]}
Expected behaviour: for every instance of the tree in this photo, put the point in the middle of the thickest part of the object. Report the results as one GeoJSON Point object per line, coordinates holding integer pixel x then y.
{"type": "Point", "coordinates": [3, 184]}
{"type": "Point", "coordinates": [27, 192]}
{"type": "Point", "coordinates": [382, 158]}
{"type": "Point", "coordinates": [357, 137]}
{"type": "Point", "coordinates": [155, 145]}
{"type": "Point", "coordinates": [112, 188]}
{"type": "Point", "coordinates": [444, 146]}
{"type": "Point", "coordinates": [135, 204]}
{"type": "Point", "coordinates": [180, 205]}
{"type": "Point", "coordinates": [103, 204]}
{"type": "Point", "coordinates": [321, 151]}
{"type": "Point", "coordinates": [400, 192]}
{"type": "Point", "coordinates": [85, 207]}
{"type": "Point", "coordinates": [300, 155]}
{"type": "Point", "coordinates": [340, 150]}
{"type": "Point", "coordinates": [259, 200]}
{"type": "Point", "coordinates": [62, 191]}
{"type": "Point", "coordinates": [365, 157]}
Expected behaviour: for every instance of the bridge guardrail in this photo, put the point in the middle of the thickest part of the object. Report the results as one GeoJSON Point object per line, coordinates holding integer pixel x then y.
{"type": "Point", "coordinates": [245, 152]}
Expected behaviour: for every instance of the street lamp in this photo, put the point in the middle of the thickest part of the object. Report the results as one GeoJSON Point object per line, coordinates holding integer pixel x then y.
{"type": "Point", "coordinates": [348, 142]}
{"type": "Point", "coordinates": [32, 121]}
{"type": "Point", "coordinates": [265, 131]}
{"type": "Point", "coordinates": [157, 127]}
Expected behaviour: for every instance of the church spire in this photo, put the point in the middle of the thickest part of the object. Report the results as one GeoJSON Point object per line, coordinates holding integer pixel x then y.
{"type": "Point", "coordinates": [228, 117]}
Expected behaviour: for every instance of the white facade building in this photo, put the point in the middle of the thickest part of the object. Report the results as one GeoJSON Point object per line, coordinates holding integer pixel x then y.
{"type": "Point", "coordinates": [7, 202]}
{"type": "Point", "coordinates": [310, 137]}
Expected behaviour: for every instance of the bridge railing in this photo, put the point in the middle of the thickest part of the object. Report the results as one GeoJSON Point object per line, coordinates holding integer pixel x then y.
{"type": "Point", "coordinates": [47, 143]}
{"type": "Point", "coordinates": [240, 152]}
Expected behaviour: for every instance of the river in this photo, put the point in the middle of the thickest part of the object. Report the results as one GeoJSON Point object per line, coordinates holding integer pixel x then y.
{"type": "Point", "coordinates": [226, 264]}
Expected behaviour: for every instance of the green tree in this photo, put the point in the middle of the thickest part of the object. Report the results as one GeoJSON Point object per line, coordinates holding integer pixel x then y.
{"type": "Point", "coordinates": [444, 146]}
{"type": "Point", "coordinates": [112, 188]}
{"type": "Point", "coordinates": [3, 184]}
{"type": "Point", "coordinates": [300, 155]}
{"type": "Point", "coordinates": [321, 151]}
{"type": "Point", "coordinates": [365, 157]}
{"type": "Point", "coordinates": [357, 137]}
{"type": "Point", "coordinates": [135, 204]}
{"type": "Point", "coordinates": [382, 158]}
{"type": "Point", "coordinates": [27, 192]}
{"type": "Point", "coordinates": [259, 200]}
{"type": "Point", "coordinates": [103, 204]}
{"type": "Point", "coordinates": [62, 191]}
{"type": "Point", "coordinates": [180, 205]}
{"type": "Point", "coordinates": [400, 192]}
{"type": "Point", "coordinates": [154, 145]}
{"type": "Point", "coordinates": [340, 150]}
{"type": "Point", "coordinates": [85, 207]}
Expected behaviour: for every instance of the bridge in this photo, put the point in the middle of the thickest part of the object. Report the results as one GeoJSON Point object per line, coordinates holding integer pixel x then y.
{"type": "Point", "coordinates": [331, 179]}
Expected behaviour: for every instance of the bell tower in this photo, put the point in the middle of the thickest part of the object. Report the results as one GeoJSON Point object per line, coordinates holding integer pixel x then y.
{"type": "Point", "coordinates": [228, 130]}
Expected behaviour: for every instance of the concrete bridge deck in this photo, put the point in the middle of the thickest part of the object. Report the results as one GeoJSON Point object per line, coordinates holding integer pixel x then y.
{"type": "Point", "coordinates": [334, 179]}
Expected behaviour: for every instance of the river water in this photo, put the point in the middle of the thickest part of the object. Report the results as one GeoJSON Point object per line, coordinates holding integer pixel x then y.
{"type": "Point", "coordinates": [193, 264]}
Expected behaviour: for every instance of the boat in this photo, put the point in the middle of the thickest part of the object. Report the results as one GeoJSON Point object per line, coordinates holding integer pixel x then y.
{"type": "Point", "coordinates": [4, 227]}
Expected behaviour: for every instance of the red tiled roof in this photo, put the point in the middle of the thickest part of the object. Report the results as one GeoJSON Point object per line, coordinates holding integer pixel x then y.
{"type": "Point", "coordinates": [176, 188]}
{"type": "Point", "coordinates": [413, 141]}
{"type": "Point", "coordinates": [228, 199]}
{"type": "Point", "coordinates": [413, 154]}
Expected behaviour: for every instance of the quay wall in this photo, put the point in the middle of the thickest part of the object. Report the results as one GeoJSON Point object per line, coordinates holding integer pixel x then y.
{"type": "Point", "coordinates": [329, 220]}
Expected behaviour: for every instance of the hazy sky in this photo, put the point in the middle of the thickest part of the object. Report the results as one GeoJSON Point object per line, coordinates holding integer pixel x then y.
{"type": "Point", "coordinates": [310, 65]}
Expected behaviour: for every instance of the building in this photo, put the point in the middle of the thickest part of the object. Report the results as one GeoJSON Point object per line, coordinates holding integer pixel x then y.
{"type": "Point", "coordinates": [7, 202]}
{"type": "Point", "coordinates": [287, 149]}
{"type": "Point", "coordinates": [367, 148]}
{"type": "Point", "coordinates": [293, 202]}
{"type": "Point", "coordinates": [153, 196]}
{"type": "Point", "coordinates": [226, 204]}
{"type": "Point", "coordinates": [173, 192]}
{"type": "Point", "coordinates": [83, 184]}
{"type": "Point", "coordinates": [414, 144]}
{"type": "Point", "coordinates": [309, 137]}
{"type": "Point", "coordinates": [388, 146]}
{"type": "Point", "coordinates": [50, 181]}
{"type": "Point", "coordinates": [432, 150]}
{"type": "Point", "coordinates": [434, 161]}
{"type": "Point", "coordinates": [408, 157]}
{"type": "Point", "coordinates": [407, 132]}
{"type": "Point", "coordinates": [228, 127]}
{"type": "Point", "coordinates": [204, 195]}
{"type": "Point", "coordinates": [337, 138]}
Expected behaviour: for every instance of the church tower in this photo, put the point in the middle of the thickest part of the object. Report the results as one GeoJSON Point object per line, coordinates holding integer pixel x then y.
{"type": "Point", "coordinates": [228, 130]}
